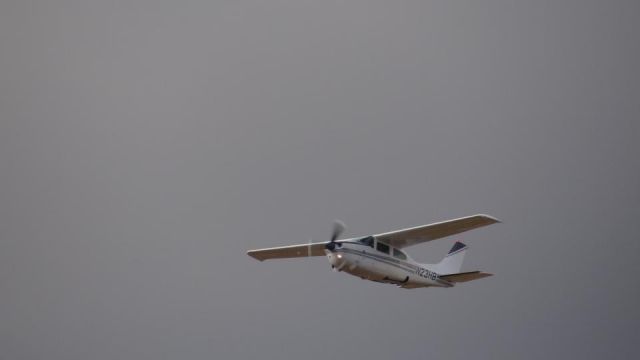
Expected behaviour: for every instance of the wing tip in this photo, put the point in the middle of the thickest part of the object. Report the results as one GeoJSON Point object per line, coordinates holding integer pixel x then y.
{"type": "Point", "coordinates": [493, 219]}
{"type": "Point", "coordinates": [254, 255]}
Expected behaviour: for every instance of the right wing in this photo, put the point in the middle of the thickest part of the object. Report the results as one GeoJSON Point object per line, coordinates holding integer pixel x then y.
{"type": "Point", "coordinates": [291, 251]}
{"type": "Point", "coordinates": [465, 276]}
{"type": "Point", "coordinates": [412, 236]}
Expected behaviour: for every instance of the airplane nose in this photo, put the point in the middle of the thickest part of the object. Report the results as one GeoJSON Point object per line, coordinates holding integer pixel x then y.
{"type": "Point", "coordinates": [335, 259]}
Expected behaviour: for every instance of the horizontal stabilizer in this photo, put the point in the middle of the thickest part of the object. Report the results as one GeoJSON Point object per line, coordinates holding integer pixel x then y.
{"type": "Point", "coordinates": [465, 276]}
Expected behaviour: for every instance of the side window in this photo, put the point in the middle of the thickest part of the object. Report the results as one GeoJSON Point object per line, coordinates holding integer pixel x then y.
{"type": "Point", "coordinates": [382, 247]}
{"type": "Point", "coordinates": [399, 254]}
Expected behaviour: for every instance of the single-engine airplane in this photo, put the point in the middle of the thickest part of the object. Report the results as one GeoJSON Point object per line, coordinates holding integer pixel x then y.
{"type": "Point", "coordinates": [380, 258]}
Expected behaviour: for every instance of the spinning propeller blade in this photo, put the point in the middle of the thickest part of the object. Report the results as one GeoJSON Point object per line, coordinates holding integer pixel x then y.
{"type": "Point", "coordinates": [338, 228]}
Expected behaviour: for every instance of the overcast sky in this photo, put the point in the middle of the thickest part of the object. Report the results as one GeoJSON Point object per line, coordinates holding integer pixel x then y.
{"type": "Point", "coordinates": [146, 145]}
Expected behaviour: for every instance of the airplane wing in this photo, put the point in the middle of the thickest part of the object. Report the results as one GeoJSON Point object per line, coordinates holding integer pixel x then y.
{"type": "Point", "coordinates": [291, 251]}
{"type": "Point", "coordinates": [465, 276]}
{"type": "Point", "coordinates": [412, 236]}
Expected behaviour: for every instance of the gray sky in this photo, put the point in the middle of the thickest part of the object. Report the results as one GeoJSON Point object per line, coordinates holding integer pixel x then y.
{"type": "Point", "coordinates": [146, 145]}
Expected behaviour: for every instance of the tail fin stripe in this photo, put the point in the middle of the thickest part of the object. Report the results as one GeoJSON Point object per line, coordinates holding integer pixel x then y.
{"type": "Point", "coordinates": [457, 247]}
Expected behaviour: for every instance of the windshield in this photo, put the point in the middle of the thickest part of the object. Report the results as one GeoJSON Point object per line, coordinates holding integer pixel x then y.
{"type": "Point", "coordinates": [367, 241]}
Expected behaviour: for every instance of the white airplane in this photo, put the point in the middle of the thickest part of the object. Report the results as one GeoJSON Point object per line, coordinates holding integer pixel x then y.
{"type": "Point", "coordinates": [380, 258]}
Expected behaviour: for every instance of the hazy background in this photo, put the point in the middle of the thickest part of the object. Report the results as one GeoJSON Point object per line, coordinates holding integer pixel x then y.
{"type": "Point", "coordinates": [146, 145]}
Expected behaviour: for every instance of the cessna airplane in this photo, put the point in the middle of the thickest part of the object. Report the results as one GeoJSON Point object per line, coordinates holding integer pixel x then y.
{"type": "Point", "coordinates": [380, 258]}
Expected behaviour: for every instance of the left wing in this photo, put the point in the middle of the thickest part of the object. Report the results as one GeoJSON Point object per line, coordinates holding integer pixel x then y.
{"type": "Point", "coordinates": [291, 251]}
{"type": "Point", "coordinates": [407, 237]}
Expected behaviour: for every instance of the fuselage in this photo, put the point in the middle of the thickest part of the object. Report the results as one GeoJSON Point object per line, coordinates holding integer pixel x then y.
{"type": "Point", "coordinates": [372, 260]}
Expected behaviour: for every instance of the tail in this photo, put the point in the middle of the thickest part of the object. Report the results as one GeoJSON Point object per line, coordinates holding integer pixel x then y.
{"type": "Point", "coordinates": [452, 263]}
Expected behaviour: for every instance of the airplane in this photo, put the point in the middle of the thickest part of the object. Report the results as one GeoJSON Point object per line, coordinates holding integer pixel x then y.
{"type": "Point", "coordinates": [379, 257]}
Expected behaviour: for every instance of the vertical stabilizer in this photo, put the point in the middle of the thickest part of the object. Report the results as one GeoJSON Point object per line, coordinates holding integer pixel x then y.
{"type": "Point", "coordinates": [452, 263]}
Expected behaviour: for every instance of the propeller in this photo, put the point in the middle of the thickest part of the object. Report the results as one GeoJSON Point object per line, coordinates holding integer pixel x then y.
{"type": "Point", "coordinates": [338, 228]}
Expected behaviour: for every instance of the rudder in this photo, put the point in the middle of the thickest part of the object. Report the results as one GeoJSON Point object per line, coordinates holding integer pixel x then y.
{"type": "Point", "coordinates": [452, 263]}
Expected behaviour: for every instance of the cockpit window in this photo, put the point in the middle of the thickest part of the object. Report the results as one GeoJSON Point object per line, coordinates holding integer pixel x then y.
{"type": "Point", "coordinates": [367, 241]}
{"type": "Point", "coordinates": [399, 254]}
{"type": "Point", "coordinates": [382, 247]}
